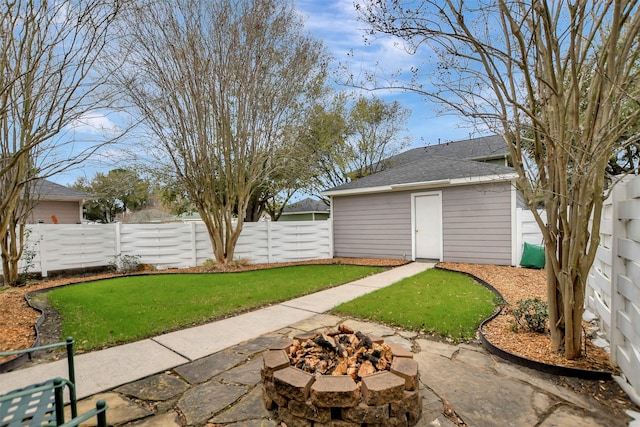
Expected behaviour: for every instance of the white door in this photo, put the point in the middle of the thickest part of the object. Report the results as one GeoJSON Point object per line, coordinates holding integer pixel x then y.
{"type": "Point", "coordinates": [428, 226]}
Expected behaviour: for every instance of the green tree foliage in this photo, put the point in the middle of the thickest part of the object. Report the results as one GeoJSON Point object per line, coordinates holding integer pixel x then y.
{"type": "Point", "coordinates": [288, 173]}
{"type": "Point", "coordinates": [174, 197]}
{"type": "Point", "coordinates": [118, 191]}
{"type": "Point", "coordinates": [324, 138]}
{"type": "Point", "coordinates": [376, 133]}
{"type": "Point", "coordinates": [344, 141]}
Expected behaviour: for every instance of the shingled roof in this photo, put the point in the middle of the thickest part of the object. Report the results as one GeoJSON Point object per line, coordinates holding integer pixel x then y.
{"type": "Point", "coordinates": [438, 163]}
{"type": "Point", "coordinates": [48, 190]}
{"type": "Point", "coordinates": [306, 205]}
{"type": "Point", "coordinates": [482, 148]}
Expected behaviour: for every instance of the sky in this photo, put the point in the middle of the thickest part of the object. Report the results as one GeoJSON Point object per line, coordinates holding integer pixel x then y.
{"type": "Point", "coordinates": [335, 23]}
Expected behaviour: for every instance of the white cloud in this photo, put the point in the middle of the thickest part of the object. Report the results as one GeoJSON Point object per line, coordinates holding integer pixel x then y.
{"type": "Point", "coordinates": [336, 23]}
{"type": "Point", "coordinates": [94, 123]}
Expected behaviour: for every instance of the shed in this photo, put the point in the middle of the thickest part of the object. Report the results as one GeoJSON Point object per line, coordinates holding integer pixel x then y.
{"type": "Point", "coordinates": [55, 203]}
{"type": "Point", "coordinates": [453, 202]}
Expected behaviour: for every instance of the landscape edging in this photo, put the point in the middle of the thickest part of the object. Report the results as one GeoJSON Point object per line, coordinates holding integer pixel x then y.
{"type": "Point", "coordinates": [548, 368]}
{"type": "Point", "coordinates": [21, 359]}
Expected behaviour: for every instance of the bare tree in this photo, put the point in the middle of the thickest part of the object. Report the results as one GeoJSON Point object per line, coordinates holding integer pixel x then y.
{"type": "Point", "coordinates": [48, 55]}
{"type": "Point", "coordinates": [551, 75]}
{"type": "Point", "coordinates": [218, 84]}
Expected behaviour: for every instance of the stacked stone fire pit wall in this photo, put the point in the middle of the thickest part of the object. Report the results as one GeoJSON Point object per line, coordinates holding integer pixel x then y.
{"type": "Point", "coordinates": [386, 398]}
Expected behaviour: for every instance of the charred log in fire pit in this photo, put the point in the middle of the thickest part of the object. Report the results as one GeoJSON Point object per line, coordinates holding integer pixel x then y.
{"type": "Point", "coordinates": [341, 375]}
{"type": "Point", "coordinates": [340, 352]}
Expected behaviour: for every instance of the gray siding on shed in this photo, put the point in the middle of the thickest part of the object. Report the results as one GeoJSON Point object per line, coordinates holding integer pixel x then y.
{"type": "Point", "coordinates": [476, 224]}
{"type": "Point", "coordinates": [372, 225]}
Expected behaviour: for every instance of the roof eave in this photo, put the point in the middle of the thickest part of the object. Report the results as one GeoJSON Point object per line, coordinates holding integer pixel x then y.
{"type": "Point", "coordinates": [305, 212]}
{"type": "Point", "coordinates": [484, 179]}
{"type": "Point", "coordinates": [424, 185]}
{"type": "Point", "coordinates": [58, 198]}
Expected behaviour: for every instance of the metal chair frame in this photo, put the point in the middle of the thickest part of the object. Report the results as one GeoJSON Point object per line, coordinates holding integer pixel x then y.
{"type": "Point", "coordinates": [42, 404]}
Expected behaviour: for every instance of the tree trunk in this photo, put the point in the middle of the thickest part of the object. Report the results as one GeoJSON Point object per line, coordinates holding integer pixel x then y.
{"type": "Point", "coordinates": [12, 242]}
{"type": "Point", "coordinates": [222, 234]}
{"type": "Point", "coordinates": [255, 207]}
{"type": "Point", "coordinates": [565, 317]}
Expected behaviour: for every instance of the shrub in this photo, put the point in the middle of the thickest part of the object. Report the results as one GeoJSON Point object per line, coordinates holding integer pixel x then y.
{"type": "Point", "coordinates": [241, 262]}
{"type": "Point", "coordinates": [531, 315]}
{"type": "Point", "coordinates": [29, 253]}
{"type": "Point", "coordinates": [209, 264]}
{"type": "Point", "coordinates": [126, 263]}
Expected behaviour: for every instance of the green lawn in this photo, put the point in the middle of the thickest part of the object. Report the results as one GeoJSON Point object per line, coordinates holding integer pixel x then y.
{"type": "Point", "coordinates": [114, 311]}
{"type": "Point", "coordinates": [435, 301]}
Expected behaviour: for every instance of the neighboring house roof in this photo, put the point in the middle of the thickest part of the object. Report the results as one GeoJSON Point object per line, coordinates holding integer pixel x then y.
{"type": "Point", "coordinates": [188, 216]}
{"type": "Point", "coordinates": [444, 164]}
{"type": "Point", "coordinates": [307, 205]}
{"type": "Point", "coordinates": [47, 190]}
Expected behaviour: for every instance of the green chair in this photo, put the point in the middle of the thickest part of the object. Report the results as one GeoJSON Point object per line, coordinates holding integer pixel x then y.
{"type": "Point", "coordinates": [42, 404]}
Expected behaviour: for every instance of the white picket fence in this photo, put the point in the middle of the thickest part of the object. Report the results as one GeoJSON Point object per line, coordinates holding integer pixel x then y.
{"type": "Point", "coordinates": [176, 245]}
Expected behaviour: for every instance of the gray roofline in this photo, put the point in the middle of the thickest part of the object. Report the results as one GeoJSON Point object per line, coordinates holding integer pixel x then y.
{"type": "Point", "coordinates": [47, 190]}
{"type": "Point", "coordinates": [423, 185]}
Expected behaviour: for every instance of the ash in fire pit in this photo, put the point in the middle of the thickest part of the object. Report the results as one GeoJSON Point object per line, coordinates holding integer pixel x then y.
{"type": "Point", "coordinates": [341, 376]}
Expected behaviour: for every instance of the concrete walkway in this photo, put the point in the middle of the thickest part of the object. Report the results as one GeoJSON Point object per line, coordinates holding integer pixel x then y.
{"type": "Point", "coordinates": [210, 375]}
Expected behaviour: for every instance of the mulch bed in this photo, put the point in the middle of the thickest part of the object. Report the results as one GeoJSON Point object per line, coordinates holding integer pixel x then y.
{"type": "Point", "coordinates": [517, 284]}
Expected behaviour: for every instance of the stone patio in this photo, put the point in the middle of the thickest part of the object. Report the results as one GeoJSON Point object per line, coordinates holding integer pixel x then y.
{"type": "Point", "coordinates": [458, 383]}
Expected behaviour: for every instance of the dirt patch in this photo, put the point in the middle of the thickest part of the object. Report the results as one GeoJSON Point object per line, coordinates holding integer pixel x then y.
{"type": "Point", "coordinates": [50, 331]}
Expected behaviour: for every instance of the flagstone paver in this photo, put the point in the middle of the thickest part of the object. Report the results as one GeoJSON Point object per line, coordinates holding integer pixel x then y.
{"type": "Point", "coordinates": [155, 387]}
{"type": "Point", "coordinates": [256, 345]}
{"type": "Point", "coordinates": [168, 419]}
{"type": "Point", "coordinates": [206, 368]}
{"type": "Point", "coordinates": [251, 407]}
{"type": "Point", "coordinates": [121, 410]}
{"type": "Point", "coordinates": [247, 374]}
{"type": "Point", "coordinates": [201, 402]}
{"type": "Point", "coordinates": [225, 389]}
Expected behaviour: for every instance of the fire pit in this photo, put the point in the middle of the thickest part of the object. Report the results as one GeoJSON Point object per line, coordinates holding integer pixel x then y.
{"type": "Point", "coordinates": [341, 377]}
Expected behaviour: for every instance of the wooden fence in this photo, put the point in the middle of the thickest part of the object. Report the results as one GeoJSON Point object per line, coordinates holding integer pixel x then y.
{"type": "Point", "coordinates": [176, 245]}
